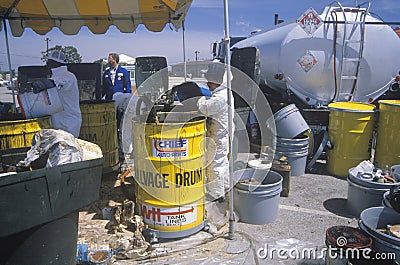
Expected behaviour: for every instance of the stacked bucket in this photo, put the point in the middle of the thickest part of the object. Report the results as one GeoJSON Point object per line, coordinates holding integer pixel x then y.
{"type": "Point", "coordinates": [262, 187]}
{"type": "Point", "coordinates": [291, 140]}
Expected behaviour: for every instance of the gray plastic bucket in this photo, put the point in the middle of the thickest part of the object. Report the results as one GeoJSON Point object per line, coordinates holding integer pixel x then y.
{"type": "Point", "coordinates": [363, 194]}
{"type": "Point", "coordinates": [289, 122]}
{"type": "Point", "coordinates": [257, 204]}
{"type": "Point", "coordinates": [374, 218]}
{"type": "Point", "coordinates": [296, 150]}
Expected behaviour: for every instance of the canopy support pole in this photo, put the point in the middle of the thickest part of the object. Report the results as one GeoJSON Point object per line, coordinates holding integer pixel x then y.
{"type": "Point", "coordinates": [230, 121]}
{"type": "Point", "coordinates": [9, 66]}
{"type": "Point", "coordinates": [184, 51]}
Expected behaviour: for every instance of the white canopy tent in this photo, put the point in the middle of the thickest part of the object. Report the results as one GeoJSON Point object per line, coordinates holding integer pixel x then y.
{"type": "Point", "coordinates": [98, 15]}
{"type": "Point", "coordinates": [126, 59]}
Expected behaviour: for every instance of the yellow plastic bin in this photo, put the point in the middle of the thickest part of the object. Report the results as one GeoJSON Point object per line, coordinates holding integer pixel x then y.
{"type": "Point", "coordinates": [169, 173]}
{"type": "Point", "coordinates": [19, 133]}
{"type": "Point", "coordinates": [388, 141]}
{"type": "Point", "coordinates": [350, 131]}
{"type": "Point", "coordinates": [99, 126]}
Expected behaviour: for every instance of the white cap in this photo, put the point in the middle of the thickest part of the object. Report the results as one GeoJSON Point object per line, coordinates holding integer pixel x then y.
{"type": "Point", "coordinates": [215, 71]}
{"type": "Point", "coordinates": [57, 56]}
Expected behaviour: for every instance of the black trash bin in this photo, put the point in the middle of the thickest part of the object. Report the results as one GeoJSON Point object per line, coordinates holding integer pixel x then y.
{"type": "Point", "coordinates": [39, 211]}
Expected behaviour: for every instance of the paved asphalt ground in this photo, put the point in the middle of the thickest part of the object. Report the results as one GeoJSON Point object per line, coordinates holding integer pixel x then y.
{"type": "Point", "coordinates": [315, 203]}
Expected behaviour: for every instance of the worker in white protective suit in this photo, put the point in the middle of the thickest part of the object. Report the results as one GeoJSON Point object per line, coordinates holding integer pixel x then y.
{"type": "Point", "coordinates": [70, 118]}
{"type": "Point", "coordinates": [215, 108]}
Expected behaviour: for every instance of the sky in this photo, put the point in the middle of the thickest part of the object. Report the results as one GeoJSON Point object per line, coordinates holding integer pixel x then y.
{"type": "Point", "coordinates": [204, 25]}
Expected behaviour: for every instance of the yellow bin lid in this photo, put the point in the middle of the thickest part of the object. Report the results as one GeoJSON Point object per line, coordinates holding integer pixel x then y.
{"type": "Point", "coordinates": [391, 102]}
{"type": "Point", "coordinates": [351, 107]}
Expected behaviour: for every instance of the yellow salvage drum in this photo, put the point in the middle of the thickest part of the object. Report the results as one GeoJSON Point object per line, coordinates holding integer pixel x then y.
{"type": "Point", "coordinates": [350, 131]}
{"type": "Point", "coordinates": [19, 133]}
{"type": "Point", "coordinates": [388, 141]}
{"type": "Point", "coordinates": [99, 126]}
{"type": "Point", "coordinates": [169, 173]}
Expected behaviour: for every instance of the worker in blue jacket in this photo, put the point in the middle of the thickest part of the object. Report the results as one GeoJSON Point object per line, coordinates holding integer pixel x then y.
{"type": "Point", "coordinates": [115, 78]}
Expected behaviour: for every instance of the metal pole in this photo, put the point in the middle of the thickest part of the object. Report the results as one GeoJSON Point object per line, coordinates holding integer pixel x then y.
{"type": "Point", "coordinates": [197, 69]}
{"type": "Point", "coordinates": [184, 51]}
{"type": "Point", "coordinates": [47, 45]}
{"type": "Point", "coordinates": [9, 66]}
{"type": "Point", "coordinates": [230, 121]}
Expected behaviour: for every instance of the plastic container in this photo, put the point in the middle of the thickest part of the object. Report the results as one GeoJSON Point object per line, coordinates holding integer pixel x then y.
{"type": "Point", "coordinates": [289, 122]}
{"type": "Point", "coordinates": [363, 193]}
{"type": "Point", "coordinates": [257, 203]}
{"type": "Point", "coordinates": [296, 150]}
{"type": "Point", "coordinates": [54, 242]}
{"type": "Point", "coordinates": [375, 218]}
{"type": "Point", "coordinates": [40, 212]}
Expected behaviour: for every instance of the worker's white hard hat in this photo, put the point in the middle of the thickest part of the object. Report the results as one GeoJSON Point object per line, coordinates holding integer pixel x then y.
{"type": "Point", "coordinates": [215, 72]}
{"type": "Point", "coordinates": [57, 56]}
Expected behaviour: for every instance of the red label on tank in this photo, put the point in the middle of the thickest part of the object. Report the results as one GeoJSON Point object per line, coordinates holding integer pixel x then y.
{"type": "Point", "coordinates": [309, 21]}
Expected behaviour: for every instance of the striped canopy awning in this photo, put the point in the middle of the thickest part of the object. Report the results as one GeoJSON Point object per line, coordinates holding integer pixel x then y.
{"type": "Point", "coordinates": [98, 15]}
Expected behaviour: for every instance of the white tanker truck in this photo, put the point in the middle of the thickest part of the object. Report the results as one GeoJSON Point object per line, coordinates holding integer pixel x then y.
{"type": "Point", "coordinates": [342, 54]}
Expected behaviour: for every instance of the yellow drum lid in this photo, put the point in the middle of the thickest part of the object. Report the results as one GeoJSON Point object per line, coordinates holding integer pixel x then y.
{"type": "Point", "coordinates": [394, 102]}
{"type": "Point", "coordinates": [351, 106]}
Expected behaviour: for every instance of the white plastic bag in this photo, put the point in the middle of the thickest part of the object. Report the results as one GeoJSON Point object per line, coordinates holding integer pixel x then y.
{"type": "Point", "coordinates": [60, 145]}
{"type": "Point", "coordinates": [46, 102]}
{"type": "Point", "coordinates": [364, 167]}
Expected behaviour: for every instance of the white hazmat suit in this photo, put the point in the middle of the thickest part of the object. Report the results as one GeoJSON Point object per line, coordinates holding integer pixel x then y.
{"type": "Point", "coordinates": [70, 118]}
{"type": "Point", "coordinates": [216, 110]}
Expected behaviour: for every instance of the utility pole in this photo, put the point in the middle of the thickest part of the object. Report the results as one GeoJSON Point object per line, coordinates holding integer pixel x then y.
{"type": "Point", "coordinates": [47, 45]}
{"type": "Point", "coordinates": [197, 70]}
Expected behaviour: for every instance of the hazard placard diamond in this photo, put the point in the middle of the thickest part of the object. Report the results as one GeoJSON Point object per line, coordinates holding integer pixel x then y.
{"type": "Point", "coordinates": [310, 21]}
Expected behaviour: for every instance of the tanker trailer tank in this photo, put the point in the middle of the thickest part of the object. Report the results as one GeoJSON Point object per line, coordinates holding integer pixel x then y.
{"type": "Point", "coordinates": [337, 55]}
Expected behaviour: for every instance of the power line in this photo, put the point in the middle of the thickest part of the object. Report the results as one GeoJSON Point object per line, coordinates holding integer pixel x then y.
{"type": "Point", "coordinates": [20, 55]}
